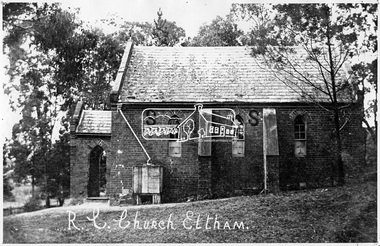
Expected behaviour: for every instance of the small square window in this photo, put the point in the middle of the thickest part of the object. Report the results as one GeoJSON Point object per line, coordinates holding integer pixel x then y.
{"type": "Point", "coordinates": [238, 148]}
{"type": "Point", "coordinates": [175, 149]}
{"type": "Point", "coordinates": [300, 148]}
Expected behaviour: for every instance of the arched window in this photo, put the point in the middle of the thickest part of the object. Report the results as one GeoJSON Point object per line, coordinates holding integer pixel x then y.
{"type": "Point", "coordinates": [238, 143]}
{"type": "Point", "coordinates": [240, 130]}
{"type": "Point", "coordinates": [300, 136]}
{"type": "Point", "coordinates": [174, 146]}
{"type": "Point", "coordinates": [97, 173]}
{"type": "Point", "coordinates": [299, 128]}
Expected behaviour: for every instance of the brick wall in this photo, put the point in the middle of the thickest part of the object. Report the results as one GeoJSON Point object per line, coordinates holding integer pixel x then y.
{"type": "Point", "coordinates": [230, 174]}
{"type": "Point", "coordinates": [222, 174]}
{"type": "Point", "coordinates": [80, 149]}
{"type": "Point", "coordinates": [181, 174]}
{"type": "Point", "coordinates": [273, 174]}
{"type": "Point", "coordinates": [317, 169]}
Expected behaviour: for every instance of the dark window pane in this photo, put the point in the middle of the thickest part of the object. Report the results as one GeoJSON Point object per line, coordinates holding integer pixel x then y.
{"type": "Point", "coordinates": [302, 128]}
{"type": "Point", "coordinates": [299, 120]}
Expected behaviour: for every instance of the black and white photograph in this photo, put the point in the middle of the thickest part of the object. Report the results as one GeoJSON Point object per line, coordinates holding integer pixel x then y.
{"type": "Point", "coordinates": [189, 121]}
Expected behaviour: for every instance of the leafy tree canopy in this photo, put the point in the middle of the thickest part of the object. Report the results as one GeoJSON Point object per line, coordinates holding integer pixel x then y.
{"type": "Point", "coordinates": [166, 33]}
{"type": "Point", "coordinates": [220, 32]}
{"type": "Point", "coordinates": [54, 61]}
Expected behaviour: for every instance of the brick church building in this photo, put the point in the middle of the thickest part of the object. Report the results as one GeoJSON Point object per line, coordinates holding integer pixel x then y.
{"type": "Point", "coordinates": [215, 120]}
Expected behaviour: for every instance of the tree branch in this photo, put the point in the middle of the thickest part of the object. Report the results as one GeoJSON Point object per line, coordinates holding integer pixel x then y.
{"type": "Point", "coordinates": [300, 91]}
{"type": "Point", "coordinates": [302, 77]}
{"type": "Point", "coordinates": [339, 66]}
{"type": "Point", "coordinates": [320, 67]}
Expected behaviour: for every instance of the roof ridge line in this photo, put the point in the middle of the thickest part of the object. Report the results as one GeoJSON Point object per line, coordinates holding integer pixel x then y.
{"type": "Point", "coordinates": [118, 83]}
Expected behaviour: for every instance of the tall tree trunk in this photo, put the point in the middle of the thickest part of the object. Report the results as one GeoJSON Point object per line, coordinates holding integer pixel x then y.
{"type": "Point", "coordinates": [32, 170]}
{"type": "Point", "coordinates": [338, 154]}
{"type": "Point", "coordinates": [47, 201]}
{"type": "Point", "coordinates": [33, 190]}
{"type": "Point", "coordinates": [339, 160]}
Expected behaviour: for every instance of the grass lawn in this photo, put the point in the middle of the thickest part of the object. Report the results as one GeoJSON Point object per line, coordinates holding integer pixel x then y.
{"type": "Point", "coordinates": [340, 214]}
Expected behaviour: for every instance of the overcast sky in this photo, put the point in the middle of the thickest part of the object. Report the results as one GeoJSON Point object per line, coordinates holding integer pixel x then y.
{"type": "Point", "coordinates": [188, 14]}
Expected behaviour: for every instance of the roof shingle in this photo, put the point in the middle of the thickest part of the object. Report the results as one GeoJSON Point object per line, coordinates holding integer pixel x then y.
{"type": "Point", "coordinates": [95, 122]}
{"type": "Point", "coordinates": [205, 74]}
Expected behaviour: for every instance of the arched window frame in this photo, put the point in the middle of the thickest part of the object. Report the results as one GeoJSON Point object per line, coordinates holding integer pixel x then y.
{"type": "Point", "coordinates": [97, 171]}
{"type": "Point", "coordinates": [300, 135]}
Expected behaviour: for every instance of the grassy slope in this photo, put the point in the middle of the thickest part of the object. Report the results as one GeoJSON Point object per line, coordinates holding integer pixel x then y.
{"type": "Point", "coordinates": [325, 215]}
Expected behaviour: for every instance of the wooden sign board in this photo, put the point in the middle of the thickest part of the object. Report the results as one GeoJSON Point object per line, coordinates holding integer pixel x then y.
{"type": "Point", "coordinates": [147, 179]}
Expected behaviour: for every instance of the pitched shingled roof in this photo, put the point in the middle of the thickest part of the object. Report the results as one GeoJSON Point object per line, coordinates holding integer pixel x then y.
{"type": "Point", "coordinates": [95, 122]}
{"type": "Point", "coordinates": [203, 74]}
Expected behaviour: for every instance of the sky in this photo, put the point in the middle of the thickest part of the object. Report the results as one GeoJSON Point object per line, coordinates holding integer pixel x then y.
{"type": "Point", "coordinates": [188, 14]}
